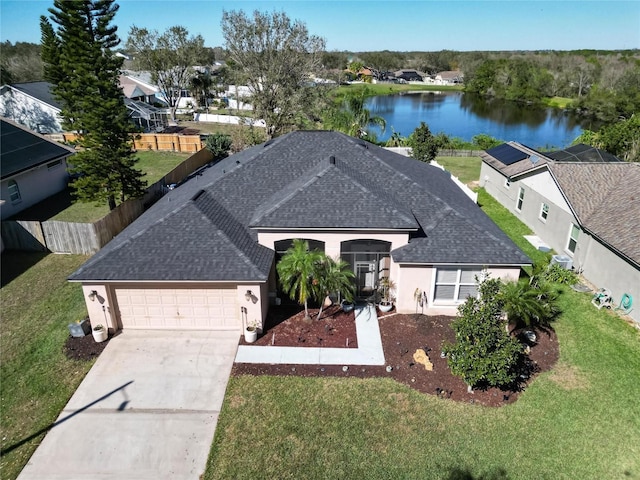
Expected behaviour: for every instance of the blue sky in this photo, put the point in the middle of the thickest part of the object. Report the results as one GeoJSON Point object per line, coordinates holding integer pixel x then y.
{"type": "Point", "coordinates": [384, 25]}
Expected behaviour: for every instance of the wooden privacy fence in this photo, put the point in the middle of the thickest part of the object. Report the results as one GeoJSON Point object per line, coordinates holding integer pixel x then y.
{"type": "Point", "coordinates": [88, 238]}
{"type": "Point", "coordinates": [171, 142]}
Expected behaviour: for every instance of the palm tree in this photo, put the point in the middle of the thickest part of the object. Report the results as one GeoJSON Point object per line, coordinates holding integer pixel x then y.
{"type": "Point", "coordinates": [333, 276]}
{"type": "Point", "coordinates": [527, 304]}
{"type": "Point", "coordinates": [297, 270]}
{"type": "Point", "coordinates": [352, 118]}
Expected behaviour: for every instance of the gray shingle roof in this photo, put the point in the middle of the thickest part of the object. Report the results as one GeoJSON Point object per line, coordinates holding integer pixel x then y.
{"type": "Point", "coordinates": [289, 182]}
{"type": "Point", "coordinates": [21, 149]}
{"type": "Point", "coordinates": [520, 167]}
{"type": "Point", "coordinates": [606, 200]}
{"type": "Point", "coordinates": [39, 90]}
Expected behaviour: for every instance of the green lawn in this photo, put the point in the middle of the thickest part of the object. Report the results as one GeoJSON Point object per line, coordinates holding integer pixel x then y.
{"type": "Point", "coordinates": [36, 377]}
{"type": "Point", "coordinates": [153, 164]}
{"type": "Point", "coordinates": [156, 165]}
{"type": "Point", "coordinates": [581, 420]}
{"type": "Point", "coordinates": [467, 169]}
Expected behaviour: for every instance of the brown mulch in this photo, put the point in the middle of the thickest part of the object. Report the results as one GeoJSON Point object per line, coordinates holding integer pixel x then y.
{"type": "Point", "coordinates": [285, 327]}
{"type": "Point", "coordinates": [401, 336]}
{"type": "Point", "coordinates": [85, 348]}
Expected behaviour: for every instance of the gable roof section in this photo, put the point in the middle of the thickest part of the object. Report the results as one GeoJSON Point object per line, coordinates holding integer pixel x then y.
{"type": "Point", "coordinates": [582, 153]}
{"type": "Point", "coordinates": [317, 200]}
{"type": "Point", "coordinates": [21, 149]}
{"type": "Point", "coordinates": [606, 200]}
{"type": "Point", "coordinates": [219, 249]}
{"type": "Point", "coordinates": [289, 183]}
{"type": "Point", "coordinates": [40, 91]}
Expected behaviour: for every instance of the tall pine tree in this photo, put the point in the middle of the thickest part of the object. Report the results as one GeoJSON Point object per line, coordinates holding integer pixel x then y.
{"type": "Point", "coordinates": [80, 63]}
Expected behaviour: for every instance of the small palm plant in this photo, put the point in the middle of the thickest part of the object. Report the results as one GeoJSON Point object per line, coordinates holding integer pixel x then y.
{"type": "Point", "coordinates": [333, 276]}
{"type": "Point", "coordinates": [529, 305]}
{"type": "Point", "coordinates": [297, 270]}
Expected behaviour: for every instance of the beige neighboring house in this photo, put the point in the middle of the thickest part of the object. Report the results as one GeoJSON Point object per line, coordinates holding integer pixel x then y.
{"type": "Point", "coordinates": [449, 77]}
{"type": "Point", "coordinates": [204, 256]}
{"type": "Point", "coordinates": [32, 168]}
{"type": "Point", "coordinates": [582, 202]}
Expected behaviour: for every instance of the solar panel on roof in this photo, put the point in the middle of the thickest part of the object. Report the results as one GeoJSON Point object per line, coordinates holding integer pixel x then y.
{"type": "Point", "coordinates": [507, 154]}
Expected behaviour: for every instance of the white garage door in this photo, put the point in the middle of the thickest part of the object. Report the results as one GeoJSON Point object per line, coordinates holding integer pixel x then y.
{"type": "Point", "coordinates": [194, 309]}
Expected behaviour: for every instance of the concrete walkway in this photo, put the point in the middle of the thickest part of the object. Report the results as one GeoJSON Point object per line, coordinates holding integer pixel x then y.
{"type": "Point", "coordinates": [369, 351]}
{"type": "Point", "coordinates": [146, 410]}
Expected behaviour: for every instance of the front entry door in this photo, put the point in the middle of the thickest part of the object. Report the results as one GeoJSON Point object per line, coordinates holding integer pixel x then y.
{"type": "Point", "coordinates": [365, 278]}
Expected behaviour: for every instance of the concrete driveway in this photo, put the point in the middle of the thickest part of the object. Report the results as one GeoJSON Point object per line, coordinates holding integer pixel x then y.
{"type": "Point", "coordinates": [147, 410]}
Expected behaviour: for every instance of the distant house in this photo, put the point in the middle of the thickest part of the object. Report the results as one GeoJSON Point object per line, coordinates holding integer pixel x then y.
{"type": "Point", "coordinates": [33, 105]}
{"type": "Point", "coordinates": [582, 202]}
{"type": "Point", "coordinates": [32, 167]}
{"type": "Point", "coordinates": [408, 75]}
{"type": "Point", "coordinates": [204, 256]}
{"type": "Point", "coordinates": [450, 77]}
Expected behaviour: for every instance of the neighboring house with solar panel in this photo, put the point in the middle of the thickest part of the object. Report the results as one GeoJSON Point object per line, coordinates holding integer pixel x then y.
{"type": "Point", "coordinates": [32, 168]}
{"type": "Point", "coordinates": [582, 202]}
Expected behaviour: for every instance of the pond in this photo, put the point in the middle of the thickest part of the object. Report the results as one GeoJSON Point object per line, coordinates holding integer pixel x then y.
{"type": "Point", "coordinates": [464, 115]}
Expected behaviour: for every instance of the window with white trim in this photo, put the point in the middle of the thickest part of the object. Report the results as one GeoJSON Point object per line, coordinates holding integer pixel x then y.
{"type": "Point", "coordinates": [455, 284]}
{"type": "Point", "coordinates": [574, 233]}
{"type": "Point", "coordinates": [544, 211]}
{"type": "Point", "coordinates": [520, 199]}
{"type": "Point", "coordinates": [14, 191]}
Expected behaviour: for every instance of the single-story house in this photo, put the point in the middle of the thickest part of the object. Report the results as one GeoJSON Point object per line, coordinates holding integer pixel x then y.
{"type": "Point", "coordinates": [409, 75]}
{"type": "Point", "coordinates": [449, 77]}
{"type": "Point", "coordinates": [32, 167]}
{"type": "Point", "coordinates": [204, 256]}
{"type": "Point", "coordinates": [582, 202]}
{"type": "Point", "coordinates": [33, 105]}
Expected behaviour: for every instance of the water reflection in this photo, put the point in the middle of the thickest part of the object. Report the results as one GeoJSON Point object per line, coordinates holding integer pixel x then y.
{"type": "Point", "coordinates": [464, 115]}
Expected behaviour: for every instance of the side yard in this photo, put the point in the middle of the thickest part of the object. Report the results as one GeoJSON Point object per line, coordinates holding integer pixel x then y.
{"type": "Point", "coordinates": [153, 164]}
{"type": "Point", "coordinates": [37, 378]}
{"type": "Point", "coordinates": [581, 420]}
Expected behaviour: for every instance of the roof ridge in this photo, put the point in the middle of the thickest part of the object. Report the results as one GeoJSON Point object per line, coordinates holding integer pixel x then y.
{"type": "Point", "coordinates": [234, 232]}
{"type": "Point", "coordinates": [289, 190]}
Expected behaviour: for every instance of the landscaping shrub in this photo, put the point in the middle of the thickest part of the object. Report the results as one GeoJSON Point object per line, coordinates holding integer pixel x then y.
{"type": "Point", "coordinates": [218, 144]}
{"type": "Point", "coordinates": [484, 354]}
{"type": "Point", "coordinates": [556, 274]}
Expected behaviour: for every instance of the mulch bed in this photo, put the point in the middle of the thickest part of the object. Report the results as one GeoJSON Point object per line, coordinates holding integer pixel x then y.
{"type": "Point", "coordinates": [285, 326]}
{"type": "Point", "coordinates": [85, 348]}
{"type": "Point", "coordinates": [401, 336]}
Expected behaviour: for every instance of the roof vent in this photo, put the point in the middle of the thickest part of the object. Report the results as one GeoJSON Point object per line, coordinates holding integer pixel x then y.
{"type": "Point", "coordinates": [197, 195]}
{"type": "Point", "coordinates": [332, 160]}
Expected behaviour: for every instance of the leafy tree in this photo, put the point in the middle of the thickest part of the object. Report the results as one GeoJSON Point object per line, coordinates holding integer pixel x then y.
{"type": "Point", "coordinates": [273, 56]}
{"type": "Point", "coordinates": [201, 84]}
{"type": "Point", "coordinates": [424, 146]}
{"type": "Point", "coordinates": [80, 62]}
{"type": "Point", "coordinates": [485, 142]}
{"type": "Point", "coordinates": [484, 353]}
{"type": "Point", "coordinates": [621, 138]}
{"type": "Point", "coordinates": [20, 62]}
{"type": "Point", "coordinates": [352, 118]}
{"type": "Point", "coordinates": [218, 144]}
{"type": "Point", "coordinates": [396, 139]}
{"type": "Point", "coordinates": [332, 276]}
{"type": "Point", "coordinates": [297, 270]}
{"type": "Point", "coordinates": [169, 57]}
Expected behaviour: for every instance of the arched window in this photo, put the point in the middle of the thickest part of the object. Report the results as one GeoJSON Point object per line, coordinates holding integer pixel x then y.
{"type": "Point", "coordinates": [14, 191]}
